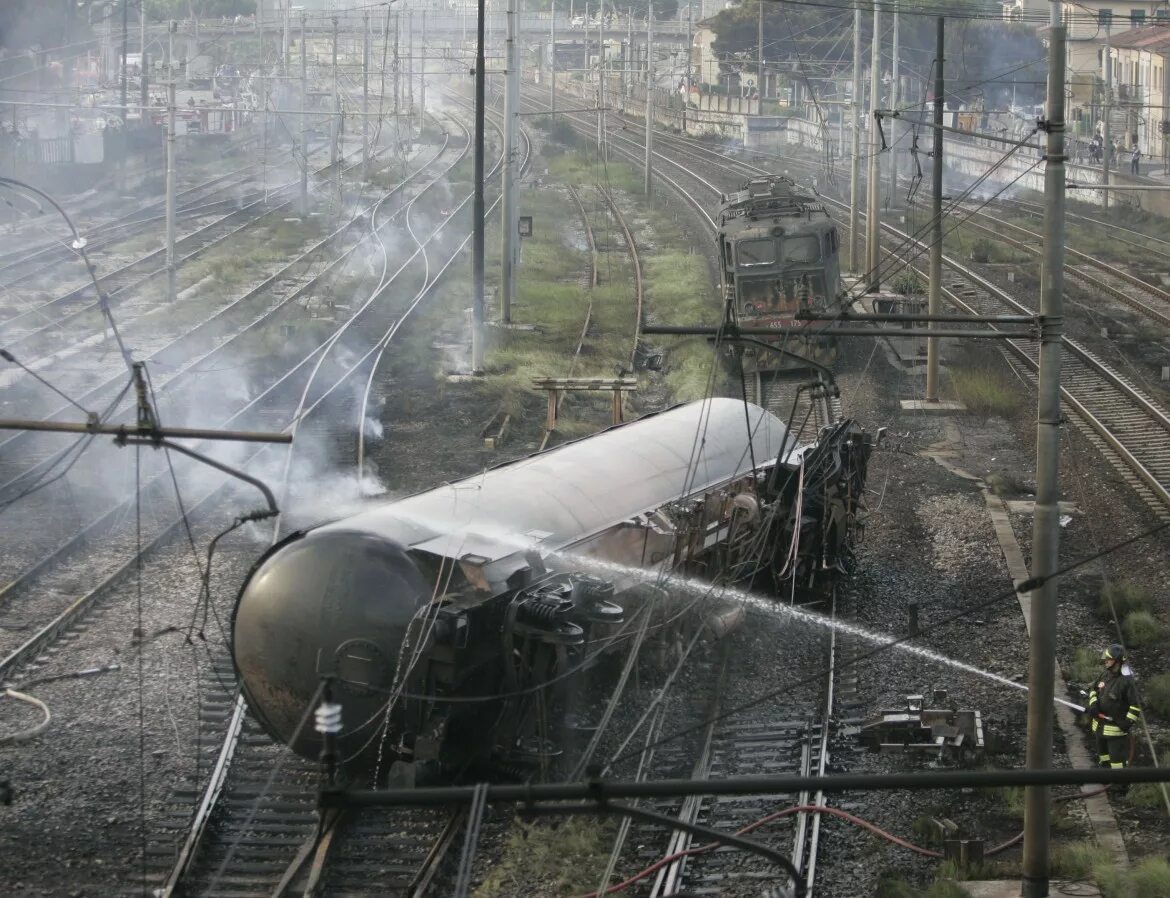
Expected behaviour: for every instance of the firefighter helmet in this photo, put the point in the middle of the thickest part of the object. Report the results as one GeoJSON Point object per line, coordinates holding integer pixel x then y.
{"type": "Point", "coordinates": [1115, 652]}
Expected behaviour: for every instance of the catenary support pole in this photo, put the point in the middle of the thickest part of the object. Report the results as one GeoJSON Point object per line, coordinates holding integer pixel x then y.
{"type": "Point", "coordinates": [601, 78]}
{"type": "Point", "coordinates": [934, 297]}
{"type": "Point", "coordinates": [125, 74]}
{"type": "Point", "coordinates": [422, 72]}
{"type": "Point", "coordinates": [477, 214]}
{"type": "Point", "coordinates": [1106, 113]}
{"type": "Point", "coordinates": [304, 129]}
{"type": "Point", "coordinates": [1046, 521]}
{"type": "Point", "coordinates": [855, 160]}
{"type": "Point", "coordinates": [365, 96]}
{"type": "Point", "coordinates": [760, 53]}
{"type": "Point", "coordinates": [895, 90]}
{"type": "Point", "coordinates": [690, 54]}
{"type": "Point", "coordinates": [509, 224]}
{"type": "Point", "coordinates": [172, 292]}
{"type": "Point", "coordinates": [649, 98]}
{"type": "Point", "coordinates": [552, 61]}
{"type": "Point", "coordinates": [142, 68]}
{"type": "Point", "coordinates": [873, 243]}
{"type": "Point", "coordinates": [335, 131]}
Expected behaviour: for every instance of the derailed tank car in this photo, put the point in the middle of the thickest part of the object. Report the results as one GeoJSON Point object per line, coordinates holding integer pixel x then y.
{"type": "Point", "coordinates": [779, 253]}
{"type": "Point", "coordinates": [441, 618]}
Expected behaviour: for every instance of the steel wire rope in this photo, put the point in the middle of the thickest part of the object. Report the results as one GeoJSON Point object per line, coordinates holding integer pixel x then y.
{"type": "Point", "coordinates": [78, 244]}
{"type": "Point", "coordinates": [81, 444]}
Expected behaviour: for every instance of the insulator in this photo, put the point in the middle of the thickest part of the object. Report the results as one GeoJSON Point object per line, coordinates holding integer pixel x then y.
{"type": "Point", "coordinates": [328, 718]}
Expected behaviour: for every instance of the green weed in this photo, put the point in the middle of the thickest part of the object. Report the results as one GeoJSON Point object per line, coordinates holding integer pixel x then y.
{"type": "Point", "coordinates": [1141, 628]}
{"type": "Point", "coordinates": [1123, 597]}
{"type": "Point", "coordinates": [1157, 692]}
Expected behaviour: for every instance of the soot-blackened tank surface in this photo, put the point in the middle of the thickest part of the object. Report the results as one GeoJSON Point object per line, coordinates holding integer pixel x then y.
{"type": "Point", "coordinates": [338, 599]}
{"type": "Point", "coordinates": [329, 601]}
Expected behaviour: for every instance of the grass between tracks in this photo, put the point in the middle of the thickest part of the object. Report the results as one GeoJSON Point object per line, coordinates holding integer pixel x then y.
{"type": "Point", "coordinates": [543, 860]}
{"type": "Point", "coordinates": [553, 294]}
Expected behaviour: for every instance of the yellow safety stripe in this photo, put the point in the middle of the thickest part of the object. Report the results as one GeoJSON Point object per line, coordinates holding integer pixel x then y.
{"type": "Point", "coordinates": [1111, 730]}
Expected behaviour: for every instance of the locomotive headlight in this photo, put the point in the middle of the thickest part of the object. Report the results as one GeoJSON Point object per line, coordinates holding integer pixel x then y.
{"type": "Point", "coordinates": [331, 603]}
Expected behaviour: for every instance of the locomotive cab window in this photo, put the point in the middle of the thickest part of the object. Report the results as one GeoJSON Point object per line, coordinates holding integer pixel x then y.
{"type": "Point", "coordinates": [756, 252]}
{"type": "Point", "coordinates": [802, 249]}
{"type": "Point", "coordinates": [727, 254]}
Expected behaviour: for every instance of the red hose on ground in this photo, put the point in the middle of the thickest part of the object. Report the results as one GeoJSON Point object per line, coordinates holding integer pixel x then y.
{"type": "Point", "coordinates": [812, 809]}
{"type": "Point", "coordinates": [763, 821]}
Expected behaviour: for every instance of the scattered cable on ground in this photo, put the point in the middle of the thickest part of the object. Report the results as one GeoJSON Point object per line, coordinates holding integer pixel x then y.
{"type": "Point", "coordinates": [32, 732]}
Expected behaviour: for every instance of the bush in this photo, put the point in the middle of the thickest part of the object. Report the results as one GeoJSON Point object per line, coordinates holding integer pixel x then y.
{"type": "Point", "coordinates": [981, 250]}
{"type": "Point", "coordinates": [1077, 860]}
{"type": "Point", "coordinates": [1006, 484]}
{"type": "Point", "coordinates": [908, 284]}
{"type": "Point", "coordinates": [1084, 667]}
{"type": "Point", "coordinates": [1123, 597]}
{"type": "Point", "coordinates": [1141, 628]}
{"type": "Point", "coordinates": [1145, 795]}
{"type": "Point", "coordinates": [1151, 879]}
{"type": "Point", "coordinates": [988, 390]}
{"type": "Point", "coordinates": [1158, 694]}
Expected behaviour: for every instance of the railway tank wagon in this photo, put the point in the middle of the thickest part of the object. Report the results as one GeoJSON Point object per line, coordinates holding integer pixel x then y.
{"type": "Point", "coordinates": [779, 254]}
{"type": "Point", "coordinates": [449, 622]}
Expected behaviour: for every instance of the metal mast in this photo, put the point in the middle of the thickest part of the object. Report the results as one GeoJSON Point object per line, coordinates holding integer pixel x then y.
{"type": "Point", "coordinates": [1046, 527]}
{"type": "Point", "coordinates": [855, 163]}
{"type": "Point", "coordinates": [934, 298]}
{"type": "Point", "coordinates": [873, 247]}
{"type": "Point", "coordinates": [477, 248]}
{"type": "Point", "coordinates": [509, 221]}
{"type": "Point", "coordinates": [172, 291]}
{"type": "Point", "coordinates": [649, 98]}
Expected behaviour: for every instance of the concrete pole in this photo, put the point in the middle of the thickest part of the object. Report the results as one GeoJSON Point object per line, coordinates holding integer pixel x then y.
{"type": "Point", "coordinates": [142, 58]}
{"type": "Point", "coordinates": [895, 124]}
{"type": "Point", "coordinates": [336, 107]}
{"type": "Point", "coordinates": [1164, 114]}
{"type": "Point", "coordinates": [172, 291]}
{"type": "Point", "coordinates": [509, 224]}
{"type": "Point", "coordinates": [477, 214]}
{"type": "Point", "coordinates": [855, 159]}
{"type": "Point", "coordinates": [1107, 111]}
{"type": "Point", "coordinates": [304, 124]}
{"type": "Point", "coordinates": [125, 74]}
{"type": "Point", "coordinates": [690, 45]}
{"type": "Point", "coordinates": [260, 85]}
{"type": "Point", "coordinates": [601, 82]}
{"type": "Point", "coordinates": [649, 98]}
{"type": "Point", "coordinates": [285, 46]}
{"type": "Point", "coordinates": [760, 54]}
{"type": "Point", "coordinates": [873, 243]}
{"type": "Point", "coordinates": [397, 74]}
{"type": "Point", "coordinates": [422, 72]}
{"type": "Point", "coordinates": [365, 95]}
{"type": "Point", "coordinates": [1046, 522]}
{"type": "Point", "coordinates": [409, 73]}
{"type": "Point", "coordinates": [552, 61]}
{"type": "Point", "coordinates": [934, 299]}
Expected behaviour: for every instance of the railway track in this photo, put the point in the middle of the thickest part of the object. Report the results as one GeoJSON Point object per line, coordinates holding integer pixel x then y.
{"type": "Point", "coordinates": [1148, 299]}
{"type": "Point", "coordinates": [1115, 413]}
{"type": "Point", "coordinates": [285, 786]}
{"type": "Point", "coordinates": [103, 549]}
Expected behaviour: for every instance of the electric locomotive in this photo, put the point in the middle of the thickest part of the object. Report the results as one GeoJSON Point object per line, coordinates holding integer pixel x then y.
{"type": "Point", "coordinates": [779, 254]}
{"type": "Point", "coordinates": [456, 625]}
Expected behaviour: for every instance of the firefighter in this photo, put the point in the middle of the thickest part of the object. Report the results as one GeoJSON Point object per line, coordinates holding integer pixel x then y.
{"type": "Point", "coordinates": [1113, 709]}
